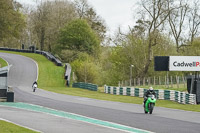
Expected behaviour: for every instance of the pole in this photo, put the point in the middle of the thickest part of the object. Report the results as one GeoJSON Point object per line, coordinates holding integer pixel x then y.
{"type": "Point", "coordinates": [167, 80]}
{"type": "Point", "coordinates": [131, 75]}
{"type": "Point", "coordinates": [195, 83]}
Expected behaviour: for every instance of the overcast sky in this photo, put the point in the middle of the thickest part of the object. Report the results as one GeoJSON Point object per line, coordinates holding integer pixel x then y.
{"type": "Point", "coordinates": [115, 12]}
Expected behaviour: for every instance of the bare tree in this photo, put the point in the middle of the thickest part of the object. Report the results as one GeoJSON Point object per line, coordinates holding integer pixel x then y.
{"type": "Point", "coordinates": [85, 11]}
{"type": "Point", "coordinates": [176, 20]}
{"type": "Point", "coordinates": [155, 12]}
{"type": "Point", "coordinates": [194, 20]}
{"type": "Point", "coordinates": [27, 37]}
{"type": "Point", "coordinates": [40, 19]}
{"type": "Point", "coordinates": [81, 7]}
{"type": "Point", "coordinates": [47, 20]}
{"type": "Point", "coordinates": [61, 13]}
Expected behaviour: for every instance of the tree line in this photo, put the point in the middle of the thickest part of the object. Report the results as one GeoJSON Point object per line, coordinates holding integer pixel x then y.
{"type": "Point", "coordinates": [75, 33]}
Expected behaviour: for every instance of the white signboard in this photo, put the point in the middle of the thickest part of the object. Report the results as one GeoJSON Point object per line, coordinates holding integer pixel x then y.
{"type": "Point", "coordinates": [184, 63]}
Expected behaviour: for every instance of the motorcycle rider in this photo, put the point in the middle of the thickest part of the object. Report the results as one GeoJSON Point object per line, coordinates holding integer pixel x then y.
{"type": "Point", "coordinates": [147, 93]}
{"type": "Point", "coordinates": [34, 85]}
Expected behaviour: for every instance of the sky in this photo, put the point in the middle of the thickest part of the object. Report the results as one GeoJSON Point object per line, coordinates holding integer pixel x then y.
{"type": "Point", "coordinates": [116, 13]}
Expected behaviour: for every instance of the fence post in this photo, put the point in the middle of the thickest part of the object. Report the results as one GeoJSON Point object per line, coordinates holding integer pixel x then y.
{"type": "Point", "coordinates": [138, 81]}
{"type": "Point", "coordinates": [171, 82]}
{"type": "Point", "coordinates": [165, 81]}
{"type": "Point", "coordinates": [177, 81]}
{"type": "Point", "coordinates": [159, 80]}
{"type": "Point", "coordinates": [134, 82]}
{"type": "Point", "coordinates": [183, 80]}
{"type": "Point", "coordinates": [154, 80]}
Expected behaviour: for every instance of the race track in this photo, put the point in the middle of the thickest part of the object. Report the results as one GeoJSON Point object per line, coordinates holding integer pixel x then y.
{"type": "Point", "coordinates": [24, 72]}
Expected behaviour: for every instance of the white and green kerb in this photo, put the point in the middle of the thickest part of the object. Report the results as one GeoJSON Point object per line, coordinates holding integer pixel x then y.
{"type": "Point", "coordinates": [73, 116]}
{"type": "Point", "coordinates": [177, 96]}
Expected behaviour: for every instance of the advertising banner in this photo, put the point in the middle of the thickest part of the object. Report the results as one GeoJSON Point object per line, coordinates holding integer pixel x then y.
{"type": "Point", "coordinates": [184, 63]}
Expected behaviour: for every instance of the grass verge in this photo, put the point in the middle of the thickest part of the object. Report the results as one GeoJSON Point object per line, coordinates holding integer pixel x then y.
{"type": "Point", "coordinates": [3, 63]}
{"type": "Point", "coordinates": [6, 127]}
{"type": "Point", "coordinates": [51, 79]}
{"type": "Point", "coordinates": [181, 87]}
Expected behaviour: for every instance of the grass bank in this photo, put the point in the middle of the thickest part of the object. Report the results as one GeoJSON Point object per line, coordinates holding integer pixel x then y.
{"type": "Point", "coordinates": [56, 83]}
{"type": "Point", "coordinates": [181, 87]}
{"type": "Point", "coordinates": [6, 127]}
{"type": "Point", "coordinates": [3, 63]}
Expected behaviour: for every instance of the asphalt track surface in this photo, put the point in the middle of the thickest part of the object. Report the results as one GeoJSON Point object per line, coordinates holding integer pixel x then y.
{"type": "Point", "coordinates": [24, 72]}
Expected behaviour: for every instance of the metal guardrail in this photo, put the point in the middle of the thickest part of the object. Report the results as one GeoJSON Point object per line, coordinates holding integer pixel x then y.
{"type": "Point", "coordinates": [48, 55]}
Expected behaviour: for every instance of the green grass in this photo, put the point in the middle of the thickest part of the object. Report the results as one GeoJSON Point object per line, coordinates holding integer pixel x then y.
{"type": "Point", "coordinates": [51, 78]}
{"type": "Point", "coordinates": [6, 127]}
{"type": "Point", "coordinates": [3, 63]}
{"type": "Point", "coordinates": [181, 88]}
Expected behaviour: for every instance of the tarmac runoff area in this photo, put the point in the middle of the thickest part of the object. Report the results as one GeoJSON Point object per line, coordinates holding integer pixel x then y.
{"type": "Point", "coordinates": [35, 120]}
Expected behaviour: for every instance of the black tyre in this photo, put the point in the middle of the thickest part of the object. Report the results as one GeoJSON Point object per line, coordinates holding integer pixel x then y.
{"type": "Point", "coordinates": [151, 108]}
{"type": "Point", "coordinates": [145, 111]}
{"type": "Point", "coordinates": [150, 112]}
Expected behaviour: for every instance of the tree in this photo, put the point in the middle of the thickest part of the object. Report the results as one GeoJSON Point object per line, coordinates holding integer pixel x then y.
{"type": "Point", "coordinates": [132, 50]}
{"type": "Point", "coordinates": [194, 20]}
{"type": "Point", "coordinates": [11, 20]}
{"type": "Point", "coordinates": [193, 49]}
{"type": "Point", "coordinates": [86, 68]}
{"type": "Point", "coordinates": [48, 19]}
{"type": "Point", "coordinates": [85, 11]}
{"type": "Point", "coordinates": [81, 7]}
{"type": "Point", "coordinates": [176, 20]}
{"type": "Point", "coordinates": [40, 21]}
{"type": "Point", "coordinates": [78, 35]}
{"type": "Point", "coordinates": [154, 14]}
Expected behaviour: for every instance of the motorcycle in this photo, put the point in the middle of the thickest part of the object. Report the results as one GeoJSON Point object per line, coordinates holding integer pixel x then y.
{"type": "Point", "coordinates": [150, 103]}
{"type": "Point", "coordinates": [34, 87]}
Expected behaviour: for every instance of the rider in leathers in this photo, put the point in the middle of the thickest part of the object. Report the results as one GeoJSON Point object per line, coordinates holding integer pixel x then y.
{"type": "Point", "coordinates": [149, 92]}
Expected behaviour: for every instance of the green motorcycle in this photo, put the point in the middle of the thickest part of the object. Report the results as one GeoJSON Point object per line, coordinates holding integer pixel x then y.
{"type": "Point", "coordinates": [150, 103]}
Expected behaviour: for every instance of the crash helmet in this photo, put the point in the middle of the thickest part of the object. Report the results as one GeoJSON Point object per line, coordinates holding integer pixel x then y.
{"type": "Point", "coordinates": [151, 89]}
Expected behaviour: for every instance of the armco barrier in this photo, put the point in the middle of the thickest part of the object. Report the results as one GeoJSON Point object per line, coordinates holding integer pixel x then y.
{"type": "Point", "coordinates": [177, 96]}
{"type": "Point", "coordinates": [46, 54]}
{"type": "Point", "coordinates": [87, 86]}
